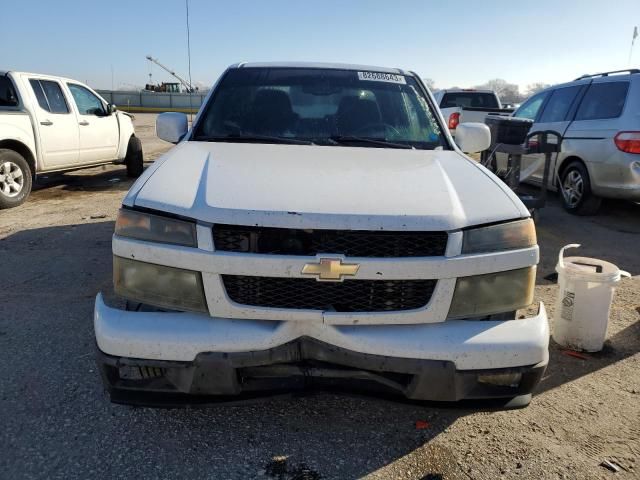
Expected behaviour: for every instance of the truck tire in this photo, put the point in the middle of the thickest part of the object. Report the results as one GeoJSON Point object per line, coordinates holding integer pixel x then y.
{"type": "Point", "coordinates": [134, 158]}
{"type": "Point", "coordinates": [577, 197]}
{"type": "Point", "coordinates": [15, 179]}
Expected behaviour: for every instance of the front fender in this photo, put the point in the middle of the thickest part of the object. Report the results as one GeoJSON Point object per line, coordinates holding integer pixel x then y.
{"type": "Point", "coordinates": [125, 123]}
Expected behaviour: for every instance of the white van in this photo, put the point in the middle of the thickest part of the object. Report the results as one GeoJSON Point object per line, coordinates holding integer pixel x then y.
{"type": "Point", "coordinates": [599, 118]}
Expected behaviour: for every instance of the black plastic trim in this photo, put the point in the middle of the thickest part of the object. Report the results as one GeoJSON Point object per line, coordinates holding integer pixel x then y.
{"type": "Point", "coordinates": [217, 376]}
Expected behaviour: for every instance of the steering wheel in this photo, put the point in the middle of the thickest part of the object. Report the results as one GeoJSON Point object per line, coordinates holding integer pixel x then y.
{"type": "Point", "coordinates": [371, 126]}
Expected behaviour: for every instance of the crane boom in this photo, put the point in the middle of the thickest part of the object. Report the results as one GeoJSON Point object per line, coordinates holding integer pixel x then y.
{"type": "Point", "coordinates": [186, 84]}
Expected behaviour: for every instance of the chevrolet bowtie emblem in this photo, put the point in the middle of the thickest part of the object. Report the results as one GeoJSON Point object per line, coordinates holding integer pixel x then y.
{"type": "Point", "coordinates": [330, 269]}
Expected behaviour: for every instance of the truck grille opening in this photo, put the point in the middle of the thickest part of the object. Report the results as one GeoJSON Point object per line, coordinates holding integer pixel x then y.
{"type": "Point", "coordinates": [352, 243]}
{"type": "Point", "coordinates": [347, 296]}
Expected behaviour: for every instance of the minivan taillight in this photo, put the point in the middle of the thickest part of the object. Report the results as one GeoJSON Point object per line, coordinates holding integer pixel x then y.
{"type": "Point", "coordinates": [454, 120]}
{"type": "Point", "coordinates": [628, 142]}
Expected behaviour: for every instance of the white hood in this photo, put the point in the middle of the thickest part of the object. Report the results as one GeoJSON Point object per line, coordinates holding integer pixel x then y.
{"type": "Point", "coordinates": [308, 186]}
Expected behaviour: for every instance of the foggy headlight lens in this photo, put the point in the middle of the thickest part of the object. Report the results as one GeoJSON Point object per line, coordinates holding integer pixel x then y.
{"type": "Point", "coordinates": [158, 285]}
{"type": "Point", "coordinates": [482, 295]}
{"type": "Point", "coordinates": [504, 236]}
{"type": "Point", "coordinates": [155, 228]}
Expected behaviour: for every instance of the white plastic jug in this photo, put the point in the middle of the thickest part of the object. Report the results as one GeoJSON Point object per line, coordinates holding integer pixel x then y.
{"type": "Point", "coordinates": [584, 301]}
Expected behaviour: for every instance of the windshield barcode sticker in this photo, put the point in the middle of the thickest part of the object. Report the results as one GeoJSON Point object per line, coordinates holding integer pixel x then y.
{"type": "Point", "coordinates": [382, 77]}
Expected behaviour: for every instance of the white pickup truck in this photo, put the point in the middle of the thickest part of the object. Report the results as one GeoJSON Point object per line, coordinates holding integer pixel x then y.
{"type": "Point", "coordinates": [54, 124]}
{"type": "Point", "coordinates": [318, 225]}
{"type": "Point", "coordinates": [466, 105]}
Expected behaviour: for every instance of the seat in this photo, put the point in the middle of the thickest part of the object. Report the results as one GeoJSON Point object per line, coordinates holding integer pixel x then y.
{"type": "Point", "coordinates": [354, 113]}
{"type": "Point", "coordinates": [270, 113]}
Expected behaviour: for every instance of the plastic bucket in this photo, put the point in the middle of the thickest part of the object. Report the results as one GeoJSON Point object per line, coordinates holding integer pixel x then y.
{"type": "Point", "coordinates": [584, 301]}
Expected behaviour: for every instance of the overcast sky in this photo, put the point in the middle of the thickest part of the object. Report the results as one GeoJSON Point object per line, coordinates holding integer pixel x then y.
{"type": "Point", "coordinates": [461, 43]}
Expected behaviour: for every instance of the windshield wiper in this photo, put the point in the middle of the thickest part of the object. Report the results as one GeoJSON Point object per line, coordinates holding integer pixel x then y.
{"type": "Point", "coordinates": [372, 141]}
{"type": "Point", "coordinates": [234, 137]}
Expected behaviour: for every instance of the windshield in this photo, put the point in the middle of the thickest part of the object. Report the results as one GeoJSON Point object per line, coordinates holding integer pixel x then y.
{"type": "Point", "coordinates": [319, 106]}
{"type": "Point", "coordinates": [469, 99]}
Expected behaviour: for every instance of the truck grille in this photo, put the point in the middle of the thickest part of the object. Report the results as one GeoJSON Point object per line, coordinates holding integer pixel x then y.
{"type": "Point", "coordinates": [347, 296]}
{"type": "Point", "coordinates": [352, 243]}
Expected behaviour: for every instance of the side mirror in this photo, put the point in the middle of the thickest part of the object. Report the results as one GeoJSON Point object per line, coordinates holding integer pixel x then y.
{"type": "Point", "coordinates": [111, 109]}
{"type": "Point", "coordinates": [171, 126]}
{"type": "Point", "coordinates": [473, 137]}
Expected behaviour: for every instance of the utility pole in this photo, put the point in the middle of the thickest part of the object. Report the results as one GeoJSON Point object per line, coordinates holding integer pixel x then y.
{"type": "Point", "coordinates": [633, 40]}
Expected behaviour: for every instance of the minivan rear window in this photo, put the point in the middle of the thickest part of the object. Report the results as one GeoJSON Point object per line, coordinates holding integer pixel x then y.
{"type": "Point", "coordinates": [603, 100]}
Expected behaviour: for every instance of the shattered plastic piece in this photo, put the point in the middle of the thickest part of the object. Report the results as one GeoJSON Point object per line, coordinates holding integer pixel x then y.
{"type": "Point", "coordinates": [610, 466]}
{"type": "Point", "coordinates": [422, 424]}
{"type": "Point", "coordinates": [93, 217]}
{"type": "Point", "coordinates": [573, 353]}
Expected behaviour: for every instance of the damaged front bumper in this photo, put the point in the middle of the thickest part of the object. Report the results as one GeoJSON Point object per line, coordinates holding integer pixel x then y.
{"type": "Point", "coordinates": [163, 358]}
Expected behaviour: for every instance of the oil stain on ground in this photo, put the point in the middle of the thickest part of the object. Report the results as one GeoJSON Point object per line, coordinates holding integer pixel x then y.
{"type": "Point", "coordinates": [280, 469]}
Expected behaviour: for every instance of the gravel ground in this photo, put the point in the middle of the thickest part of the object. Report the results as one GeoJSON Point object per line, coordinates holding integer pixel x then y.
{"type": "Point", "coordinates": [56, 421]}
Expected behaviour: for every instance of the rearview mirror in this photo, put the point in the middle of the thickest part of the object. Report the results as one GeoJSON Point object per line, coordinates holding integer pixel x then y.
{"type": "Point", "coordinates": [473, 137]}
{"type": "Point", "coordinates": [171, 126]}
{"type": "Point", "coordinates": [111, 109]}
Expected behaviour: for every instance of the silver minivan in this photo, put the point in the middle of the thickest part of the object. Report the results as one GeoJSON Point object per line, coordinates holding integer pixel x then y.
{"type": "Point", "coordinates": [599, 118]}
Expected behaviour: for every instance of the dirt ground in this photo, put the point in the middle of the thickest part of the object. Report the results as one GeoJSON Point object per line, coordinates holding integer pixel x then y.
{"type": "Point", "coordinates": [56, 421]}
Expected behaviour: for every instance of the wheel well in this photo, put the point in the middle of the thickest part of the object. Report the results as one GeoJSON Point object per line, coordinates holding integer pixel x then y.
{"type": "Point", "coordinates": [565, 163]}
{"type": "Point", "coordinates": [23, 150]}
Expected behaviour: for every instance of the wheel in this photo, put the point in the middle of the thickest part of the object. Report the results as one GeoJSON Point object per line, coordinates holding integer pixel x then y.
{"type": "Point", "coordinates": [15, 179]}
{"type": "Point", "coordinates": [134, 158]}
{"type": "Point", "coordinates": [577, 197]}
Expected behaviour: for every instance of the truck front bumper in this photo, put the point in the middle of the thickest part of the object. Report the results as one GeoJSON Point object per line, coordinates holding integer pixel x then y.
{"type": "Point", "coordinates": [191, 358]}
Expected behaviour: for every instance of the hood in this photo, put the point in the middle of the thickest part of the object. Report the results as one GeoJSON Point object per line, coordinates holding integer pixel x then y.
{"type": "Point", "coordinates": [306, 186]}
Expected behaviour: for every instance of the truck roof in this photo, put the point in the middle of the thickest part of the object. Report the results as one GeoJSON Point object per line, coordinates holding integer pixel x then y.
{"type": "Point", "coordinates": [336, 66]}
{"type": "Point", "coordinates": [470, 90]}
{"type": "Point", "coordinates": [44, 75]}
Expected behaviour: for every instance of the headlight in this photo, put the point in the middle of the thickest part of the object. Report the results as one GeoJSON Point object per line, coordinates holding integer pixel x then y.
{"type": "Point", "coordinates": [482, 295]}
{"type": "Point", "coordinates": [158, 285]}
{"type": "Point", "coordinates": [155, 228]}
{"type": "Point", "coordinates": [504, 236]}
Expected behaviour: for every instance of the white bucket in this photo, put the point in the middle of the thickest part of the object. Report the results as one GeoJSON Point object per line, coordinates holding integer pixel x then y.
{"type": "Point", "coordinates": [584, 301]}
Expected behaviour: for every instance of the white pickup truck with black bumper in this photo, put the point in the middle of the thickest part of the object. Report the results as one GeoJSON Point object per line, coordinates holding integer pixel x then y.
{"type": "Point", "coordinates": [468, 105]}
{"type": "Point", "coordinates": [318, 225]}
{"type": "Point", "coordinates": [54, 124]}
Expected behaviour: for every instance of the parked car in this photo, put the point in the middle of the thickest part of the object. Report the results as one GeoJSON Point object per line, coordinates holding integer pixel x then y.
{"type": "Point", "coordinates": [326, 228]}
{"type": "Point", "coordinates": [599, 117]}
{"type": "Point", "coordinates": [463, 105]}
{"type": "Point", "coordinates": [53, 124]}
